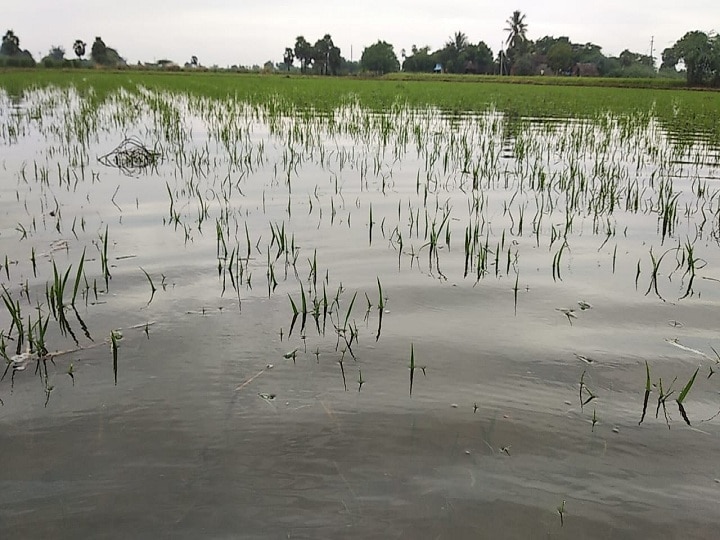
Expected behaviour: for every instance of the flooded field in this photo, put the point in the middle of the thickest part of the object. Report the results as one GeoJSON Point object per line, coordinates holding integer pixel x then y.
{"type": "Point", "coordinates": [226, 318]}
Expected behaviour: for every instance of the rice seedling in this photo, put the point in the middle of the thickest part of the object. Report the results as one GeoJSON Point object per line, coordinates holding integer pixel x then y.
{"type": "Point", "coordinates": [654, 273]}
{"type": "Point", "coordinates": [15, 312]}
{"type": "Point", "coordinates": [557, 258]}
{"type": "Point", "coordinates": [32, 260]}
{"type": "Point", "coordinates": [153, 290]}
{"type": "Point", "coordinates": [370, 226]}
{"type": "Point", "coordinates": [585, 391]}
{"type": "Point", "coordinates": [104, 258]}
{"type": "Point", "coordinates": [342, 371]}
{"type": "Point", "coordinates": [78, 275]}
{"type": "Point", "coordinates": [115, 337]}
{"type": "Point", "coordinates": [662, 398]}
{"type": "Point", "coordinates": [561, 513]}
{"type": "Point", "coordinates": [647, 392]}
{"type": "Point", "coordinates": [381, 309]}
{"type": "Point", "coordinates": [683, 395]}
{"type": "Point", "coordinates": [412, 367]}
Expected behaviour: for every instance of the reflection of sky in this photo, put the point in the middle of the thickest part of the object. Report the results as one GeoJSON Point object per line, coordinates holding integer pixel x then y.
{"type": "Point", "coordinates": [336, 167]}
{"type": "Point", "coordinates": [501, 373]}
{"type": "Point", "coordinates": [224, 33]}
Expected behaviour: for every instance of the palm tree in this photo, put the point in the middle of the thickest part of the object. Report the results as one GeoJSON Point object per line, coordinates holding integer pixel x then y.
{"type": "Point", "coordinates": [10, 44]}
{"type": "Point", "coordinates": [517, 29]}
{"type": "Point", "coordinates": [303, 52]}
{"type": "Point", "coordinates": [458, 41]}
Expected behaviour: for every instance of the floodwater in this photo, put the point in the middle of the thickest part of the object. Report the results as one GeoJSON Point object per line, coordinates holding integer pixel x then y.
{"type": "Point", "coordinates": [527, 359]}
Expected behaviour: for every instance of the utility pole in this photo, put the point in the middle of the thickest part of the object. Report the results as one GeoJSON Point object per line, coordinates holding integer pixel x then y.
{"type": "Point", "coordinates": [652, 41]}
{"type": "Point", "coordinates": [502, 55]}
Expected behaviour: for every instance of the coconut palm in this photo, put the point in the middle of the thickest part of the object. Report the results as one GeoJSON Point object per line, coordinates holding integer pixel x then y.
{"type": "Point", "coordinates": [458, 41]}
{"type": "Point", "coordinates": [517, 29]}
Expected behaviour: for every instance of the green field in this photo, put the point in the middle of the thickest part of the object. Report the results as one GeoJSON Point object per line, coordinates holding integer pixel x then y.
{"type": "Point", "coordinates": [679, 108]}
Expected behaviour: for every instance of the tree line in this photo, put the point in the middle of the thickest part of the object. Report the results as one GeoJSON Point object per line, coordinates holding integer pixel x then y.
{"type": "Point", "coordinates": [11, 55]}
{"type": "Point", "coordinates": [696, 54]}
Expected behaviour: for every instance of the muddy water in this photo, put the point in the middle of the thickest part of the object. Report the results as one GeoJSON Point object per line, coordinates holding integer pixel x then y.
{"type": "Point", "coordinates": [216, 430]}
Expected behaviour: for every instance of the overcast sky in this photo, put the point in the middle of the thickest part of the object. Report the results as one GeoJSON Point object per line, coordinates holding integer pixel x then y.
{"type": "Point", "coordinates": [226, 32]}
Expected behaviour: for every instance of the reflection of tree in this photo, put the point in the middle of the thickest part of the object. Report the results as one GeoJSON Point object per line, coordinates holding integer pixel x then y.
{"type": "Point", "coordinates": [79, 48]}
{"type": "Point", "coordinates": [10, 44]}
{"type": "Point", "coordinates": [288, 57]}
{"type": "Point", "coordinates": [99, 51]}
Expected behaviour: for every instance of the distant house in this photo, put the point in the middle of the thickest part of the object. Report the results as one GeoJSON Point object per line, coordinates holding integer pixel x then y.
{"type": "Point", "coordinates": [585, 69]}
{"type": "Point", "coordinates": [471, 67]}
{"type": "Point", "coordinates": [438, 68]}
{"type": "Point", "coordinates": [167, 64]}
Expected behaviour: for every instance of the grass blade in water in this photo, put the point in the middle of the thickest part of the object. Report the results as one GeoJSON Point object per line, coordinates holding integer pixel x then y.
{"type": "Point", "coordinates": [647, 392]}
{"type": "Point", "coordinates": [683, 394]}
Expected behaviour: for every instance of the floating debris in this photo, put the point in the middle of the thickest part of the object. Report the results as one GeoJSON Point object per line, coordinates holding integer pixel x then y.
{"type": "Point", "coordinates": [569, 313]}
{"type": "Point", "coordinates": [267, 397]}
{"type": "Point", "coordinates": [584, 305]}
{"type": "Point", "coordinates": [584, 358]}
{"type": "Point", "coordinates": [676, 343]}
{"type": "Point", "coordinates": [19, 361]}
{"type": "Point", "coordinates": [291, 354]}
{"type": "Point", "coordinates": [131, 156]}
